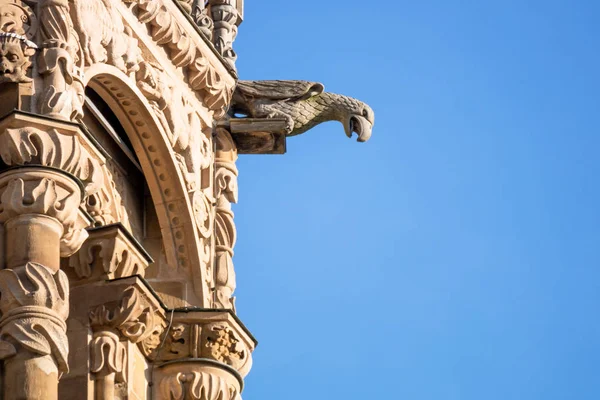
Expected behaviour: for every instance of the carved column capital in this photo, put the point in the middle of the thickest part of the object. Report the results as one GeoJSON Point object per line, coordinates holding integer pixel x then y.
{"type": "Point", "coordinates": [52, 199]}
{"type": "Point", "coordinates": [132, 318]}
{"type": "Point", "coordinates": [110, 252]}
{"type": "Point", "coordinates": [210, 335]}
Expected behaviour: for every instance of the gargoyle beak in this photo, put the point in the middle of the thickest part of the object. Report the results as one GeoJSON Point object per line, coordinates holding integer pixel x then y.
{"type": "Point", "coordinates": [360, 125]}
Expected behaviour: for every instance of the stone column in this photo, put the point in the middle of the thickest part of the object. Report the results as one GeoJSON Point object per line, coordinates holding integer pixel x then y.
{"type": "Point", "coordinates": [206, 355]}
{"type": "Point", "coordinates": [39, 209]}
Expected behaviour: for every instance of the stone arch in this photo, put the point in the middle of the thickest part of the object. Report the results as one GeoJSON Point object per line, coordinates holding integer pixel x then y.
{"type": "Point", "coordinates": [183, 247]}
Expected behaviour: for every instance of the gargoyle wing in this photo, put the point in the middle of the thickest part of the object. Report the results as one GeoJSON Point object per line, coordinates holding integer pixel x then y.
{"type": "Point", "coordinates": [280, 90]}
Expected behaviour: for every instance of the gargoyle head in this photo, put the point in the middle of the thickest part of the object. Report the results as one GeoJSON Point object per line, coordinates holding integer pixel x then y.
{"type": "Point", "coordinates": [15, 53]}
{"type": "Point", "coordinates": [359, 119]}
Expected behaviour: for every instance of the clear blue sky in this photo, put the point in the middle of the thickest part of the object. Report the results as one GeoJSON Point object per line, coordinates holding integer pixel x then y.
{"type": "Point", "coordinates": [455, 255]}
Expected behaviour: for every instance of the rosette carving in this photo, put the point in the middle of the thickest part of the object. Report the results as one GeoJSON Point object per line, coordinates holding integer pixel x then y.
{"type": "Point", "coordinates": [35, 304]}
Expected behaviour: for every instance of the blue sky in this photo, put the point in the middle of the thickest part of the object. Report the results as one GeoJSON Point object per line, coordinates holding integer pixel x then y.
{"type": "Point", "coordinates": [455, 255]}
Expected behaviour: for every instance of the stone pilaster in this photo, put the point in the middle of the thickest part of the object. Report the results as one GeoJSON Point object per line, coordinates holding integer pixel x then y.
{"type": "Point", "coordinates": [39, 210]}
{"type": "Point", "coordinates": [226, 193]}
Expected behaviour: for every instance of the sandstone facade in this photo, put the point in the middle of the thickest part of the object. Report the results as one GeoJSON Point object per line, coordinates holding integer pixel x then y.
{"type": "Point", "coordinates": [120, 125]}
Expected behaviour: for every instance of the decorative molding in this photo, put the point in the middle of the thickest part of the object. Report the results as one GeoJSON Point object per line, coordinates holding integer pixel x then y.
{"type": "Point", "coordinates": [166, 30]}
{"type": "Point", "coordinates": [110, 252]}
{"type": "Point", "coordinates": [46, 192]}
{"type": "Point", "coordinates": [103, 37]}
{"type": "Point", "coordinates": [197, 385]}
{"type": "Point", "coordinates": [135, 318]}
{"type": "Point", "coordinates": [226, 193]}
{"type": "Point", "coordinates": [209, 335]}
{"type": "Point", "coordinates": [51, 148]}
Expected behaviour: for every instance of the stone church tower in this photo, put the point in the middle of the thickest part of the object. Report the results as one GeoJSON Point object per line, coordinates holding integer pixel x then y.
{"type": "Point", "coordinates": [120, 125]}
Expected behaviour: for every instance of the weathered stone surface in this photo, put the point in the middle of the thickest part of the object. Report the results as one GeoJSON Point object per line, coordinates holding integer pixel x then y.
{"type": "Point", "coordinates": [119, 137]}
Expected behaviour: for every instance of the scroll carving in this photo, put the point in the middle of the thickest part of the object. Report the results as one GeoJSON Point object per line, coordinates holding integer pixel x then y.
{"type": "Point", "coordinates": [201, 75]}
{"type": "Point", "coordinates": [196, 385]}
{"type": "Point", "coordinates": [34, 305]}
{"type": "Point", "coordinates": [226, 193]}
{"type": "Point", "coordinates": [134, 318]}
{"type": "Point", "coordinates": [200, 16]}
{"type": "Point", "coordinates": [109, 253]}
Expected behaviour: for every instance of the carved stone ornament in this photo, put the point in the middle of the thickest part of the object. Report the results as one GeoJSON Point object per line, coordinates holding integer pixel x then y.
{"type": "Point", "coordinates": [212, 84]}
{"type": "Point", "coordinates": [226, 18]}
{"type": "Point", "coordinates": [134, 318]}
{"type": "Point", "coordinates": [34, 305]}
{"type": "Point", "coordinates": [110, 252]}
{"type": "Point", "coordinates": [15, 54]}
{"type": "Point", "coordinates": [196, 381]}
{"type": "Point", "coordinates": [31, 190]}
{"type": "Point", "coordinates": [226, 193]}
{"type": "Point", "coordinates": [211, 336]}
{"type": "Point", "coordinates": [303, 105]}
{"type": "Point", "coordinates": [18, 24]}
{"type": "Point", "coordinates": [17, 17]}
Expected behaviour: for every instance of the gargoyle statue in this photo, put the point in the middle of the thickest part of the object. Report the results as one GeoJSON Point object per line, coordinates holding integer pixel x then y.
{"type": "Point", "coordinates": [303, 105]}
